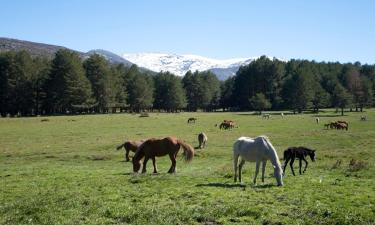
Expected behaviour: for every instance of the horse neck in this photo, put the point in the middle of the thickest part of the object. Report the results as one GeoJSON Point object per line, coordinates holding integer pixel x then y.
{"type": "Point", "coordinates": [139, 154]}
{"type": "Point", "coordinates": [273, 157]}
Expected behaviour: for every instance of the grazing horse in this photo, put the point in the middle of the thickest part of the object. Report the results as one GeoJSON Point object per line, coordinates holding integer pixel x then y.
{"type": "Point", "coordinates": [130, 146]}
{"type": "Point", "coordinates": [363, 118]}
{"type": "Point", "coordinates": [202, 139]}
{"type": "Point", "coordinates": [160, 147]}
{"type": "Point", "coordinates": [191, 120]}
{"type": "Point", "coordinates": [341, 126]}
{"type": "Point", "coordinates": [317, 120]}
{"type": "Point", "coordinates": [299, 152]}
{"type": "Point", "coordinates": [282, 115]}
{"type": "Point", "coordinates": [344, 122]}
{"type": "Point", "coordinates": [257, 150]}
{"type": "Point", "coordinates": [227, 124]}
{"type": "Point", "coordinates": [266, 116]}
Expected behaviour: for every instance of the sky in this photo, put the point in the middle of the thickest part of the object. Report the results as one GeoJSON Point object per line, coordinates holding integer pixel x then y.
{"type": "Point", "coordinates": [321, 30]}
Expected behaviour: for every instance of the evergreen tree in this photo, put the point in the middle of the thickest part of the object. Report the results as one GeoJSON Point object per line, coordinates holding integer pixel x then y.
{"type": "Point", "coordinates": [226, 99]}
{"type": "Point", "coordinates": [67, 87]}
{"type": "Point", "coordinates": [141, 92]}
{"type": "Point", "coordinates": [341, 98]}
{"type": "Point", "coordinates": [259, 102]}
{"type": "Point", "coordinates": [99, 74]}
{"type": "Point", "coordinates": [169, 93]}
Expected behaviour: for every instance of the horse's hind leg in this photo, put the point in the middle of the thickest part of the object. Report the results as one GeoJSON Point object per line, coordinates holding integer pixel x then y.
{"type": "Point", "coordinates": [173, 166]}
{"type": "Point", "coordinates": [263, 169]}
{"type": "Point", "coordinates": [256, 172]}
{"type": "Point", "coordinates": [300, 165]}
{"type": "Point", "coordinates": [154, 164]}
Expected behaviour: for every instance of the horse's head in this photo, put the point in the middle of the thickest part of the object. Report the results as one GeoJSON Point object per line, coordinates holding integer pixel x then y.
{"type": "Point", "coordinates": [312, 155]}
{"type": "Point", "coordinates": [136, 165]}
{"type": "Point", "coordinates": [278, 173]}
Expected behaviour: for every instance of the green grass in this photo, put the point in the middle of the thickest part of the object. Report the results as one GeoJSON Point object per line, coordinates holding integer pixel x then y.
{"type": "Point", "coordinates": [67, 171]}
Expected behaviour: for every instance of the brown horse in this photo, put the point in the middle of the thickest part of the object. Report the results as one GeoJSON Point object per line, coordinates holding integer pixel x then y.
{"type": "Point", "coordinates": [160, 147]}
{"type": "Point", "coordinates": [130, 146]}
{"type": "Point", "coordinates": [191, 120]}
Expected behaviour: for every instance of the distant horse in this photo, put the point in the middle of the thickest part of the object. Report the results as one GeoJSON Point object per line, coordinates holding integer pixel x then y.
{"type": "Point", "coordinates": [130, 146]}
{"type": "Point", "coordinates": [341, 126]}
{"type": "Point", "coordinates": [363, 118]}
{"type": "Point", "coordinates": [317, 120]}
{"type": "Point", "coordinates": [300, 153]}
{"type": "Point", "coordinates": [160, 147]}
{"type": "Point", "coordinates": [257, 150]}
{"type": "Point", "coordinates": [227, 124]}
{"type": "Point", "coordinates": [344, 122]}
{"type": "Point", "coordinates": [266, 116]}
{"type": "Point", "coordinates": [202, 139]}
{"type": "Point", "coordinates": [191, 120]}
{"type": "Point", "coordinates": [282, 115]}
{"type": "Point", "coordinates": [327, 125]}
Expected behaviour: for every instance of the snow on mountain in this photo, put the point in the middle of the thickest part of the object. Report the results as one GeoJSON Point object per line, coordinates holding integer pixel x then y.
{"type": "Point", "coordinates": [180, 64]}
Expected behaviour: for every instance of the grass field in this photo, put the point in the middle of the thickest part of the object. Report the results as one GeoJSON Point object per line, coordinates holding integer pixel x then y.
{"type": "Point", "coordinates": [67, 171]}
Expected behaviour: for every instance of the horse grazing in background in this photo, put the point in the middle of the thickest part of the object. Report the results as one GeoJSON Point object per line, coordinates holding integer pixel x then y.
{"type": "Point", "coordinates": [257, 150]}
{"type": "Point", "coordinates": [130, 146]}
{"type": "Point", "coordinates": [191, 120]}
{"type": "Point", "coordinates": [300, 153]}
{"type": "Point", "coordinates": [227, 124]}
{"type": "Point", "coordinates": [160, 147]}
{"type": "Point", "coordinates": [317, 120]}
{"type": "Point", "coordinates": [266, 116]}
{"type": "Point", "coordinates": [343, 122]}
{"type": "Point", "coordinates": [341, 126]}
{"type": "Point", "coordinates": [202, 139]}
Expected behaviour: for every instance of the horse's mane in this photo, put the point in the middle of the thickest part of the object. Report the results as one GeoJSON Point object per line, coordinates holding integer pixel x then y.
{"type": "Point", "coordinates": [275, 161]}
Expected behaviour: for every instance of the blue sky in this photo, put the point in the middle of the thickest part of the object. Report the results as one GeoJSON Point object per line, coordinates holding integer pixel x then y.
{"type": "Point", "coordinates": [329, 30]}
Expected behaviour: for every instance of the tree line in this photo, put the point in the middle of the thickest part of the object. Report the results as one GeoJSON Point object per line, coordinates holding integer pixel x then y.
{"type": "Point", "coordinates": [68, 84]}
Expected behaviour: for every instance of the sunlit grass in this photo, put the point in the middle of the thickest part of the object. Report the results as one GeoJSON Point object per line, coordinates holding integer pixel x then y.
{"type": "Point", "coordinates": [66, 171]}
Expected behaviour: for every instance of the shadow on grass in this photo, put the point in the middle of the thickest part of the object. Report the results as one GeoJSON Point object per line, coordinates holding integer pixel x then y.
{"type": "Point", "coordinates": [329, 115]}
{"type": "Point", "coordinates": [235, 185]}
{"type": "Point", "coordinates": [222, 185]}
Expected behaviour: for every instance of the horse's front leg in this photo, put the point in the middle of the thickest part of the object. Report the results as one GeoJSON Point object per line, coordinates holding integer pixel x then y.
{"type": "Point", "coordinates": [305, 165]}
{"type": "Point", "coordinates": [144, 164]}
{"type": "Point", "coordinates": [263, 169]}
{"type": "Point", "coordinates": [154, 164]}
{"type": "Point", "coordinates": [256, 172]}
{"type": "Point", "coordinates": [285, 164]}
{"type": "Point", "coordinates": [240, 170]}
{"type": "Point", "coordinates": [300, 166]}
{"type": "Point", "coordinates": [291, 165]}
{"type": "Point", "coordinates": [173, 166]}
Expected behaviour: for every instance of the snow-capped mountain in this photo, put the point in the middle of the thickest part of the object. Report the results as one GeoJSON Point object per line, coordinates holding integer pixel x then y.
{"type": "Point", "coordinates": [180, 64]}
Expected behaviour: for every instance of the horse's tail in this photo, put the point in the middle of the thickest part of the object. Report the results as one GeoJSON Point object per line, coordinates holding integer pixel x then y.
{"type": "Point", "coordinates": [188, 150]}
{"type": "Point", "coordinates": [120, 146]}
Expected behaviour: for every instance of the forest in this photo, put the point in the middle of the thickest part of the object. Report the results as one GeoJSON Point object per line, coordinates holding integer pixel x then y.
{"type": "Point", "coordinates": [70, 84]}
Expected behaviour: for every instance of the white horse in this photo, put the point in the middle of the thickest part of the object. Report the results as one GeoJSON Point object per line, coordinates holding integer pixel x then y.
{"type": "Point", "coordinates": [257, 150]}
{"type": "Point", "coordinates": [317, 120]}
{"type": "Point", "coordinates": [282, 115]}
{"type": "Point", "coordinates": [202, 139]}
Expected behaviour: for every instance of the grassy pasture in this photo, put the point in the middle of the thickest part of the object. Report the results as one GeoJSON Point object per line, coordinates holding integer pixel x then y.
{"type": "Point", "coordinates": [66, 171]}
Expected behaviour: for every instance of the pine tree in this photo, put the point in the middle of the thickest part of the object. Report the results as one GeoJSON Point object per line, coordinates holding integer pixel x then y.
{"type": "Point", "coordinates": [67, 88]}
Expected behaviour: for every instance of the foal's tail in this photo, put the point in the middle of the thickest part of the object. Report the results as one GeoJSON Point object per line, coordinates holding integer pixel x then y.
{"type": "Point", "coordinates": [188, 150]}
{"type": "Point", "coordinates": [120, 146]}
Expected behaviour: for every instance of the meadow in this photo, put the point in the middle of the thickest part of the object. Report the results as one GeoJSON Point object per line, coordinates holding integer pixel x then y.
{"type": "Point", "coordinates": [66, 170]}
